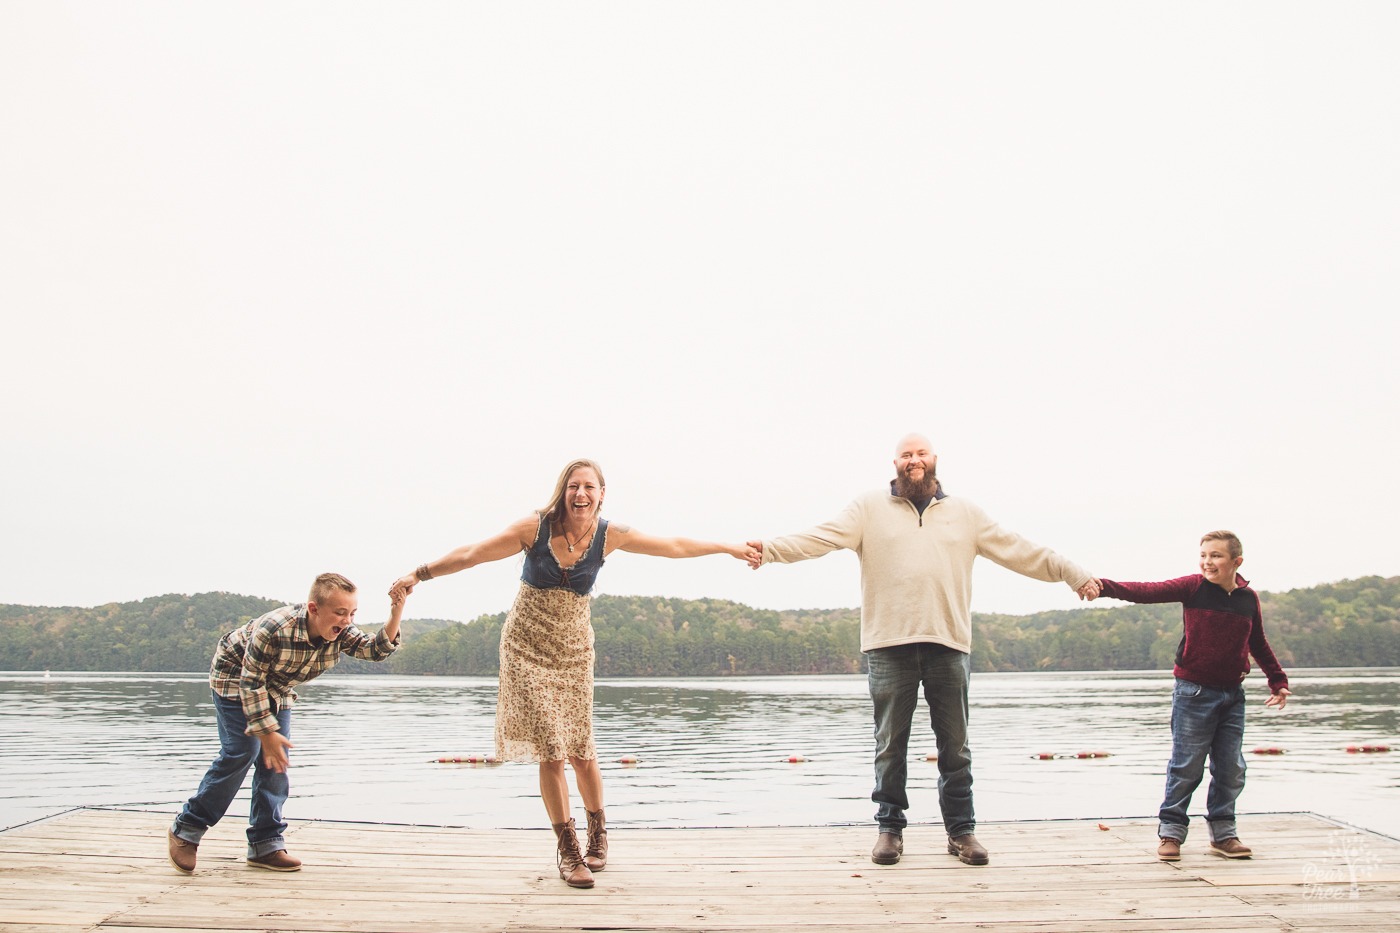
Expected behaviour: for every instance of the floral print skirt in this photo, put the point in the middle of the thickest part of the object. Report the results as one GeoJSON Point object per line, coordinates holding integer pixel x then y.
{"type": "Point", "coordinates": [544, 708]}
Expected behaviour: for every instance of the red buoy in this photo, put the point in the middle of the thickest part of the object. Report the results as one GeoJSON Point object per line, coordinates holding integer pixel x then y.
{"type": "Point", "coordinates": [1269, 750]}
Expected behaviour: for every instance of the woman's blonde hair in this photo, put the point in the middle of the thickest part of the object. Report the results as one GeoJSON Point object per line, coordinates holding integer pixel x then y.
{"type": "Point", "coordinates": [554, 512]}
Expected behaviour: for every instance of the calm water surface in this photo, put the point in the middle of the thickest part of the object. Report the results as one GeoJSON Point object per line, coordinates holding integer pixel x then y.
{"type": "Point", "coordinates": [711, 752]}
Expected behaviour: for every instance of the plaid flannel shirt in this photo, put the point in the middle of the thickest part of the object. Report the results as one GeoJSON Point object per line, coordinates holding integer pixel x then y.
{"type": "Point", "coordinates": [263, 662]}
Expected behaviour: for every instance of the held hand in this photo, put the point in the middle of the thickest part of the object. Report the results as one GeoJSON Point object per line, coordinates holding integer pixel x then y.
{"type": "Point", "coordinates": [1279, 698]}
{"type": "Point", "coordinates": [744, 553]}
{"type": "Point", "coordinates": [403, 586]}
{"type": "Point", "coordinates": [755, 554]}
{"type": "Point", "coordinates": [274, 750]}
{"type": "Point", "coordinates": [1091, 589]}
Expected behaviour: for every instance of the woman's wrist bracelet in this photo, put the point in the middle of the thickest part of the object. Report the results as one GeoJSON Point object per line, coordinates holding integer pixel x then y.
{"type": "Point", "coordinates": [422, 572]}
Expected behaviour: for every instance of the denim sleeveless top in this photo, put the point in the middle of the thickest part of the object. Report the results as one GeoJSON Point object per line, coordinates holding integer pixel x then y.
{"type": "Point", "coordinates": [542, 570]}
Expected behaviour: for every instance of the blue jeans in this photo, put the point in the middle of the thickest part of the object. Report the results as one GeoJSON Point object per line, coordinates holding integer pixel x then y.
{"type": "Point", "coordinates": [238, 752]}
{"type": "Point", "coordinates": [1205, 721]}
{"type": "Point", "coordinates": [896, 674]}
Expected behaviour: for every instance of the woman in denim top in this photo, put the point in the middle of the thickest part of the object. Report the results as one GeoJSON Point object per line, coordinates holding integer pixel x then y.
{"type": "Point", "coordinates": [544, 708]}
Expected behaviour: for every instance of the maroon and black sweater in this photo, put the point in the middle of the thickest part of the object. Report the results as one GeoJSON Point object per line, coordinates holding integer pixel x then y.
{"type": "Point", "coordinates": [1221, 629]}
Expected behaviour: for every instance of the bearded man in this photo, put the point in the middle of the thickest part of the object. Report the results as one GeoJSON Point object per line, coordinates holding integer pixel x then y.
{"type": "Point", "coordinates": [916, 546]}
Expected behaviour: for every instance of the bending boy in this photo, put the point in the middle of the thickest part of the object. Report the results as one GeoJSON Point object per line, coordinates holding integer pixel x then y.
{"type": "Point", "coordinates": [255, 671]}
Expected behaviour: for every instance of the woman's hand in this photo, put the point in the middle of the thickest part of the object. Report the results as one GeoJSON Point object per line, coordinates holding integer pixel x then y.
{"type": "Point", "coordinates": [403, 586]}
{"type": "Point", "coordinates": [746, 553]}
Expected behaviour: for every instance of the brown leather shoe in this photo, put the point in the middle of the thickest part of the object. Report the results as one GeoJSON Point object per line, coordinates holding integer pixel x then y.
{"type": "Point", "coordinates": [596, 858]}
{"type": "Point", "coordinates": [1231, 848]}
{"type": "Point", "coordinates": [571, 867]}
{"type": "Point", "coordinates": [968, 850]}
{"type": "Point", "coordinates": [182, 854]}
{"type": "Point", "coordinates": [1168, 850]}
{"type": "Point", "coordinates": [888, 848]}
{"type": "Point", "coordinates": [276, 861]}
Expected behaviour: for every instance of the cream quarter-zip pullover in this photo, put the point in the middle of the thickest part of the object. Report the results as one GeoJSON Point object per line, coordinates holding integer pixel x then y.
{"type": "Point", "coordinates": [916, 570]}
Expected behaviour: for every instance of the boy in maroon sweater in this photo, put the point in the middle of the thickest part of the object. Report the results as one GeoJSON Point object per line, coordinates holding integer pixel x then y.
{"type": "Point", "coordinates": [1223, 627]}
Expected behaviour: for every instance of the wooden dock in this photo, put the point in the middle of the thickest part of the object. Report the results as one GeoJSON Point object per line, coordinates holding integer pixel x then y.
{"type": "Point", "coordinates": [106, 870]}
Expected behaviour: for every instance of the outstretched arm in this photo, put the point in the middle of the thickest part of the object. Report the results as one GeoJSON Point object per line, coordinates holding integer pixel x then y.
{"type": "Point", "coordinates": [625, 538]}
{"type": "Point", "coordinates": [391, 628]}
{"type": "Point", "coordinates": [382, 644]}
{"type": "Point", "coordinates": [508, 543]}
{"type": "Point", "coordinates": [843, 531]}
{"type": "Point", "coordinates": [1167, 591]}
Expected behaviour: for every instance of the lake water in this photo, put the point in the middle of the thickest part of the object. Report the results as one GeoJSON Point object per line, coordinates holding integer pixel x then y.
{"type": "Point", "coordinates": [710, 752]}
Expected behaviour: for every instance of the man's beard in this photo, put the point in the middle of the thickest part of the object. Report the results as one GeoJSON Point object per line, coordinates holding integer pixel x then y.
{"type": "Point", "coordinates": [906, 488]}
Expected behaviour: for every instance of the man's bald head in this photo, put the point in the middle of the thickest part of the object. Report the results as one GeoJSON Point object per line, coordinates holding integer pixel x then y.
{"type": "Point", "coordinates": [913, 442]}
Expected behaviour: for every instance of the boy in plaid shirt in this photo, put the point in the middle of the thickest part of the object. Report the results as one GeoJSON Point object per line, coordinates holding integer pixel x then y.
{"type": "Point", "coordinates": [254, 675]}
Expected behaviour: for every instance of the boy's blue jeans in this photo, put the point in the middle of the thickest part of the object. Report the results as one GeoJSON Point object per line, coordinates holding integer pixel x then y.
{"type": "Point", "coordinates": [896, 675]}
{"type": "Point", "coordinates": [1205, 721]}
{"type": "Point", "coordinates": [238, 752]}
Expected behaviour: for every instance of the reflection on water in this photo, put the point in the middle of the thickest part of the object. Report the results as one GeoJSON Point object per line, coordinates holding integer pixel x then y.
{"type": "Point", "coordinates": [711, 752]}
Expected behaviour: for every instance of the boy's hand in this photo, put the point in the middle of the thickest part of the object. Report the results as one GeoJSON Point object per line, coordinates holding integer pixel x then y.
{"type": "Point", "coordinates": [1279, 698]}
{"type": "Point", "coordinates": [274, 750]}
{"type": "Point", "coordinates": [1091, 589]}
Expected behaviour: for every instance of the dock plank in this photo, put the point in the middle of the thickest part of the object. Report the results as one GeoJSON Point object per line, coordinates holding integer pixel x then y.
{"type": "Point", "coordinates": [96, 870]}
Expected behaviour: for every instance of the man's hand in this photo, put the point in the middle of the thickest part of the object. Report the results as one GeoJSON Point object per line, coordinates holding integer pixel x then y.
{"type": "Point", "coordinates": [755, 556]}
{"type": "Point", "coordinates": [1091, 589]}
{"type": "Point", "coordinates": [274, 750]}
{"type": "Point", "coordinates": [1279, 698]}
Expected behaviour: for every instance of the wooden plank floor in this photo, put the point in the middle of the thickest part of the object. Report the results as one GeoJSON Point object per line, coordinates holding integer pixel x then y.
{"type": "Point", "coordinates": [106, 870]}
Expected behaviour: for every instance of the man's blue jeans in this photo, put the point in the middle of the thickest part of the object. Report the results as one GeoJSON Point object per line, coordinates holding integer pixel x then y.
{"type": "Point", "coordinates": [1205, 721]}
{"type": "Point", "coordinates": [238, 752]}
{"type": "Point", "coordinates": [896, 674]}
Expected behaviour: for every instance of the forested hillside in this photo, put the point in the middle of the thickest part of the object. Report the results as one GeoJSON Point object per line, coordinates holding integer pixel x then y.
{"type": "Point", "coordinates": [1347, 624]}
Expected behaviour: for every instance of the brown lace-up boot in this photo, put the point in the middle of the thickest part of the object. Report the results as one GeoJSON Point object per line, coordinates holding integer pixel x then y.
{"type": "Point", "coordinates": [596, 858]}
{"type": "Point", "coordinates": [571, 867]}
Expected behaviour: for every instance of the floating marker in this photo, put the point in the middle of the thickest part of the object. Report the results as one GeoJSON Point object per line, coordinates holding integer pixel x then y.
{"type": "Point", "coordinates": [931, 756]}
{"type": "Point", "coordinates": [1044, 756]}
{"type": "Point", "coordinates": [628, 760]}
{"type": "Point", "coordinates": [1367, 748]}
{"type": "Point", "coordinates": [1269, 750]}
{"type": "Point", "coordinates": [468, 760]}
{"type": "Point", "coordinates": [796, 759]}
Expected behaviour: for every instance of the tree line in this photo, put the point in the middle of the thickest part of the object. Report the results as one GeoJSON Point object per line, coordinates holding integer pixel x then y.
{"type": "Point", "coordinates": [1352, 623]}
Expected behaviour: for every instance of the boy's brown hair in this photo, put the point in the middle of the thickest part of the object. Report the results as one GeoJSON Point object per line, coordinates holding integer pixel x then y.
{"type": "Point", "coordinates": [1231, 541]}
{"type": "Point", "coordinates": [325, 584]}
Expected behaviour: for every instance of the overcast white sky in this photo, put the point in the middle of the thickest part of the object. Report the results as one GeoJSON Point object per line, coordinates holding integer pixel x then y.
{"type": "Point", "coordinates": [291, 287]}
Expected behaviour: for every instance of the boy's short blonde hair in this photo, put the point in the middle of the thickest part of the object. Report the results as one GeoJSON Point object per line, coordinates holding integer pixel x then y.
{"type": "Point", "coordinates": [325, 584]}
{"type": "Point", "coordinates": [1231, 541]}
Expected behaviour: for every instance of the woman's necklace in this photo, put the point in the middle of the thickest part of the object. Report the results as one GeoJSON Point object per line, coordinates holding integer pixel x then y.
{"type": "Point", "coordinates": [572, 544]}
